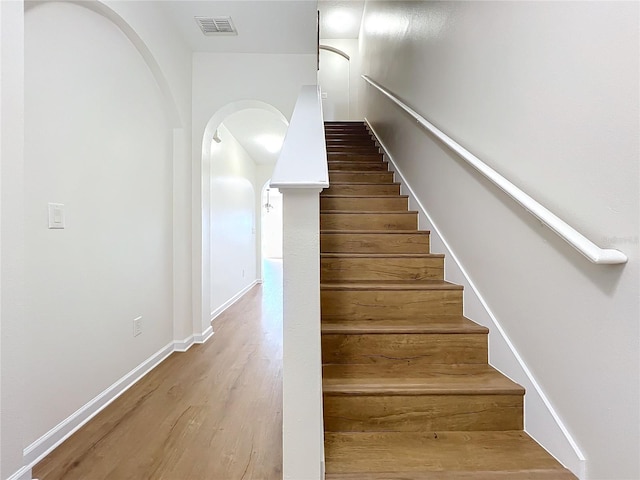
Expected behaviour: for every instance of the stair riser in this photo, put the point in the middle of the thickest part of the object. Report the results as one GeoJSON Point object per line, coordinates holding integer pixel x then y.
{"type": "Point", "coordinates": [389, 304]}
{"type": "Point", "coordinates": [359, 166]}
{"type": "Point", "coordinates": [408, 348]}
{"type": "Point", "coordinates": [355, 189]}
{"type": "Point", "coordinates": [364, 204]}
{"type": "Point", "coordinates": [354, 157]}
{"type": "Point", "coordinates": [366, 177]}
{"type": "Point", "coordinates": [348, 269]}
{"type": "Point", "coordinates": [369, 221]}
{"type": "Point", "coordinates": [415, 413]}
{"type": "Point", "coordinates": [374, 243]}
{"type": "Point", "coordinates": [345, 128]}
{"type": "Point", "coordinates": [356, 138]}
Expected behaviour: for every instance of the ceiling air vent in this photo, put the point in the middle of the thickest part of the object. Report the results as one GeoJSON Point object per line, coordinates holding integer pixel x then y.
{"type": "Point", "coordinates": [216, 25]}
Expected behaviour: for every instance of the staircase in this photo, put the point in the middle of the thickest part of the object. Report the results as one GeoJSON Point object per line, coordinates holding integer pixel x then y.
{"type": "Point", "coordinates": [408, 392]}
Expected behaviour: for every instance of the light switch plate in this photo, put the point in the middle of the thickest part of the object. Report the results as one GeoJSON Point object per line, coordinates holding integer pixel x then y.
{"type": "Point", "coordinates": [56, 215]}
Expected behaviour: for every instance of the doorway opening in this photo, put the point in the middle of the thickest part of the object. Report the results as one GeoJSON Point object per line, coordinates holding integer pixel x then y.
{"type": "Point", "coordinates": [271, 216]}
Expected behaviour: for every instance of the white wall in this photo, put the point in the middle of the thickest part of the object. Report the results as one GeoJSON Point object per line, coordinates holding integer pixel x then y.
{"type": "Point", "coordinates": [233, 219]}
{"type": "Point", "coordinates": [547, 94]}
{"type": "Point", "coordinates": [102, 109]}
{"type": "Point", "coordinates": [98, 141]}
{"type": "Point", "coordinates": [223, 84]}
{"type": "Point", "coordinates": [169, 57]}
{"type": "Point", "coordinates": [13, 351]}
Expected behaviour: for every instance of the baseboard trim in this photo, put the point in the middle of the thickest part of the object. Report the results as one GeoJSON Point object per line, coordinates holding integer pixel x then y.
{"type": "Point", "coordinates": [23, 474]}
{"type": "Point", "coordinates": [58, 434]}
{"type": "Point", "coordinates": [549, 430]}
{"type": "Point", "coordinates": [218, 311]}
{"type": "Point", "coordinates": [184, 345]}
{"type": "Point", "coordinates": [44, 445]}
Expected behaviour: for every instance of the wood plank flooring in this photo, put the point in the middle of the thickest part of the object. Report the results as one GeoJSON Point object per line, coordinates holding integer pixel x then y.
{"type": "Point", "coordinates": [212, 413]}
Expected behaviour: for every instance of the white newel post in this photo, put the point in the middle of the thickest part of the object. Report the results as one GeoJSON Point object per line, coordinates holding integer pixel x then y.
{"type": "Point", "coordinates": [302, 377]}
{"type": "Point", "coordinates": [301, 174]}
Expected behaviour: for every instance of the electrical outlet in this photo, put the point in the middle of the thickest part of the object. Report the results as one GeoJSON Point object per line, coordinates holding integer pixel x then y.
{"type": "Point", "coordinates": [137, 326]}
{"type": "Point", "coordinates": [243, 273]}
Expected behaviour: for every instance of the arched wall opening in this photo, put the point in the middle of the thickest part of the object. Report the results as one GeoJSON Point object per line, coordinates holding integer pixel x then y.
{"type": "Point", "coordinates": [232, 181]}
{"type": "Point", "coordinates": [334, 79]}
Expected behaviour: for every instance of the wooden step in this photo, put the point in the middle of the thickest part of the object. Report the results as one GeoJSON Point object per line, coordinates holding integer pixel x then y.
{"type": "Point", "coordinates": [382, 220]}
{"type": "Point", "coordinates": [337, 188]}
{"type": "Point", "coordinates": [364, 203]}
{"type": "Point", "coordinates": [351, 140]}
{"type": "Point", "coordinates": [345, 126]}
{"type": "Point", "coordinates": [438, 455]}
{"type": "Point", "coordinates": [333, 133]}
{"type": "Point", "coordinates": [390, 299]}
{"type": "Point", "coordinates": [430, 343]}
{"type": "Point", "coordinates": [358, 166]}
{"type": "Point", "coordinates": [360, 149]}
{"type": "Point", "coordinates": [419, 398]}
{"type": "Point", "coordinates": [460, 379]}
{"type": "Point", "coordinates": [354, 157]}
{"type": "Point", "coordinates": [381, 266]}
{"type": "Point", "coordinates": [537, 474]}
{"type": "Point", "coordinates": [341, 176]}
{"type": "Point", "coordinates": [358, 241]}
{"type": "Point", "coordinates": [424, 324]}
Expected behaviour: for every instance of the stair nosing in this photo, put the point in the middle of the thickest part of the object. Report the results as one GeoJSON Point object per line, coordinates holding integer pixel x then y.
{"type": "Point", "coordinates": [392, 286]}
{"type": "Point", "coordinates": [380, 255]}
{"type": "Point", "coordinates": [366, 196]}
{"type": "Point", "coordinates": [375, 232]}
{"type": "Point", "coordinates": [369, 212]}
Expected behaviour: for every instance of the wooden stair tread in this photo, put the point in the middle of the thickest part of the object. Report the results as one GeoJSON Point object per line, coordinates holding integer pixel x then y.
{"type": "Point", "coordinates": [424, 324]}
{"type": "Point", "coordinates": [370, 212]}
{"type": "Point", "coordinates": [365, 196]}
{"type": "Point", "coordinates": [369, 232]}
{"type": "Point", "coordinates": [424, 452]}
{"type": "Point", "coordinates": [360, 172]}
{"type": "Point", "coordinates": [529, 474]}
{"type": "Point", "coordinates": [382, 255]}
{"type": "Point", "coordinates": [390, 285]}
{"type": "Point", "coordinates": [362, 183]}
{"type": "Point", "coordinates": [470, 379]}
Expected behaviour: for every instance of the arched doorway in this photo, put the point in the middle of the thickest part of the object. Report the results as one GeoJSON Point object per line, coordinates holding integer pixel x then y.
{"type": "Point", "coordinates": [240, 146]}
{"type": "Point", "coordinates": [334, 79]}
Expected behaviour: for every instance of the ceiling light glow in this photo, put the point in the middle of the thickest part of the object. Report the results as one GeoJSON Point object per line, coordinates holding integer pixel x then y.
{"type": "Point", "coordinates": [272, 143]}
{"type": "Point", "coordinates": [340, 20]}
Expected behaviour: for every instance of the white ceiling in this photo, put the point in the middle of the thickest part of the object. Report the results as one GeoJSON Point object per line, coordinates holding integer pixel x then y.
{"type": "Point", "coordinates": [340, 18]}
{"type": "Point", "coordinates": [258, 130]}
{"type": "Point", "coordinates": [264, 26]}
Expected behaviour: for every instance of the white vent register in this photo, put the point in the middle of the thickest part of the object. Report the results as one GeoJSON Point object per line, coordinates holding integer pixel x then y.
{"type": "Point", "coordinates": [216, 25]}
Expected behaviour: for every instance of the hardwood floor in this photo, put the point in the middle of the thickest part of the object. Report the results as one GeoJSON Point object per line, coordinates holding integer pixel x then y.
{"type": "Point", "coordinates": [212, 413]}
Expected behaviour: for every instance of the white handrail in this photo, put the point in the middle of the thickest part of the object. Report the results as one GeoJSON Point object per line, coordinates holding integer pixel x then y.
{"type": "Point", "coordinates": [303, 159]}
{"type": "Point", "coordinates": [570, 235]}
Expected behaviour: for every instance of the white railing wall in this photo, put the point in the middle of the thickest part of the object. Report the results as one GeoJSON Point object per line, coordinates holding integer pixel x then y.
{"type": "Point", "coordinates": [565, 231]}
{"type": "Point", "coordinates": [301, 174]}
